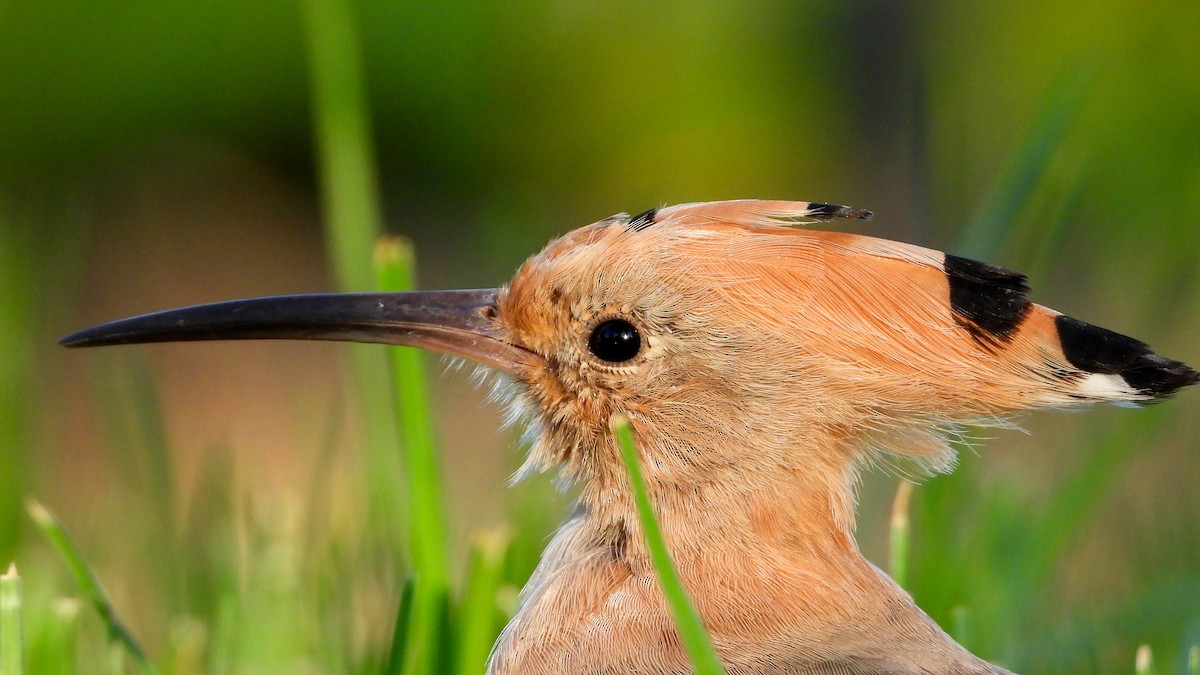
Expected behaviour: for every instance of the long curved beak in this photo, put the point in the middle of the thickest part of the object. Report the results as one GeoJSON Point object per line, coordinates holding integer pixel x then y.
{"type": "Point", "coordinates": [460, 323]}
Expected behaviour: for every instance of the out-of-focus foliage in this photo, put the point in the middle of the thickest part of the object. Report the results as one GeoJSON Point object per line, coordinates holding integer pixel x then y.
{"type": "Point", "coordinates": [154, 154]}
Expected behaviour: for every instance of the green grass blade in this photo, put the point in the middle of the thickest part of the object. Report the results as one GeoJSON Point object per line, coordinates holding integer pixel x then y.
{"type": "Point", "coordinates": [691, 628]}
{"type": "Point", "coordinates": [395, 660]}
{"type": "Point", "coordinates": [17, 372]}
{"type": "Point", "coordinates": [54, 650]}
{"type": "Point", "coordinates": [11, 662]}
{"type": "Point", "coordinates": [147, 442]}
{"type": "Point", "coordinates": [353, 218]}
{"type": "Point", "coordinates": [395, 265]}
{"type": "Point", "coordinates": [480, 616]}
{"type": "Point", "coordinates": [899, 533]}
{"type": "Point", "coordinates": [1144, 662]}
{"type": "Point", "coordinates": [89, 584]}
{"type": "Point", "coordinates": [1193, 661]}
{"type": "Point", "coordinates": [222, 651]}
{"type": "Point", "coordinates": [349, 181]}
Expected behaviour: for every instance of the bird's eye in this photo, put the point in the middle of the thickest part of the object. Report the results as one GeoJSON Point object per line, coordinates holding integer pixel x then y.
{"type": "Point", "coordinates": [615, 341]}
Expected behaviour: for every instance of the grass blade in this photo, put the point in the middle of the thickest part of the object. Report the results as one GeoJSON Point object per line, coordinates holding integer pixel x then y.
{"type": "Point", "coordinates": [898, 533]}
{"type": "Point", "coordinates": [1193, 661]}
{"type": "Point", "coordinates": [349, 181]}
{"type": "Point", "coordinates": [395, 659]}
{"type": "Point", "coordinates": [478, 623]}
{"type": "Point", "coordinates": [17, 369]}
{"type": "Point", "coordinates": [691, 628]}
{"type": "Point", "coordinates": [89, 584]}
{"type": "Point", "coordinates": [1144, 662]}
{"type": "Point", "coordinates": [54, 651]}
{"type": "Point", "coordinates": [11, 662]}
{"type": "Point", "coordinates": [395, 268]}
{"type": "Point", "coordinates": [353, 218]}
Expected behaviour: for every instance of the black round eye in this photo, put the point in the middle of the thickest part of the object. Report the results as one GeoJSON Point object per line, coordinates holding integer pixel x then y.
{"type": "Point", "coordinates": [615, 340]}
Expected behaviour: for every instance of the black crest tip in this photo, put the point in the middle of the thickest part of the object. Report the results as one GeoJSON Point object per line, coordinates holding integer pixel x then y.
{"type": "Point", "coordinates": [822, 211]}
{"type": "Point", "coordinates": [1160, 377]}
{"type": "Point", "coordinates": [642, 220]}
{"type": "Point", "coordinates": [1099, 350]}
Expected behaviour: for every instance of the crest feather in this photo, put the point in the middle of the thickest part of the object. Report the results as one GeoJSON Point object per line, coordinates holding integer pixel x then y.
{"type": "Point", "coordinates": [759, 212]}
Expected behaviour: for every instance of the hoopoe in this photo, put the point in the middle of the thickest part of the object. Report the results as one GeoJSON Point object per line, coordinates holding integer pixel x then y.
{"type": "Point", "coordinates": [761, 365]}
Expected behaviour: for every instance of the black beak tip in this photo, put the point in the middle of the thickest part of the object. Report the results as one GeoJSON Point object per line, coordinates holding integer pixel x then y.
{"type": "Point", "coordinates": [125, 331]}
{"type": "Point", "coordinates": [87, 337]}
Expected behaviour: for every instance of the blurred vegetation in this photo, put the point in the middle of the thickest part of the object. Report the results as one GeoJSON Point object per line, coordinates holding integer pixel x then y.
{"type": "Point", "coordinates": [158, 154]}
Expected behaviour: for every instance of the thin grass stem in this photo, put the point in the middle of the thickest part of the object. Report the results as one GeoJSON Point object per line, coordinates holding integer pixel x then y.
{"type": "Point", "coordinates": [89, 583]}
{"type": "Point", "coordinates": [349, 179]}
{"type": "Point", "coordinates": [1144, 661]}
{"type": "Point", "coordinates": [62, 631]}
{"type": "Point", "coordinates": [899, 533]}
{"type": "Point", "coordinates": [394, 664]}
{"type": "Point", "coordinates": [691, 629]}
{"type": "Point", "coordinates": [477, 623]}
{"type": "Point", "coordinates": [396, 271]}
{"type": "Point", "coordinates": [11, 659]}
{"type": "Point", "coordinates": [353, 218]}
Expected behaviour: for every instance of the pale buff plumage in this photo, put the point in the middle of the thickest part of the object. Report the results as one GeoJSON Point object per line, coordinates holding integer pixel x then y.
{"type": "Point", "coordinates": [773, 355]}
{"type": "Point", "coordinates": [776, 361]}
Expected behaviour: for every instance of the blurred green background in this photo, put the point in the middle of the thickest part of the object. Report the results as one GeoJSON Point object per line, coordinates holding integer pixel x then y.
{"type": "Point", "coordinates": [155, 154]}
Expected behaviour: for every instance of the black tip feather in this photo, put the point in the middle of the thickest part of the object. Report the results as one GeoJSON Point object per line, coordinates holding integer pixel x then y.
{"type": "Point", "coordinates": [642, 220]}
{"type": "Point", "coordinates": [989, 301]}
{"type": "Point", "coordinates": [822, 211]}
{"type": "Point", "coordinates": [1099, 350]}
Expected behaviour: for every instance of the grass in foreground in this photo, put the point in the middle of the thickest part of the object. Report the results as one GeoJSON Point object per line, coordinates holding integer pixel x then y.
{"type": "Point", "coordinates": [89, 584]}
{"type": "Point", "coordinates": [691, 628]}
{"type": "Point", "coordinates": [11, 646]}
